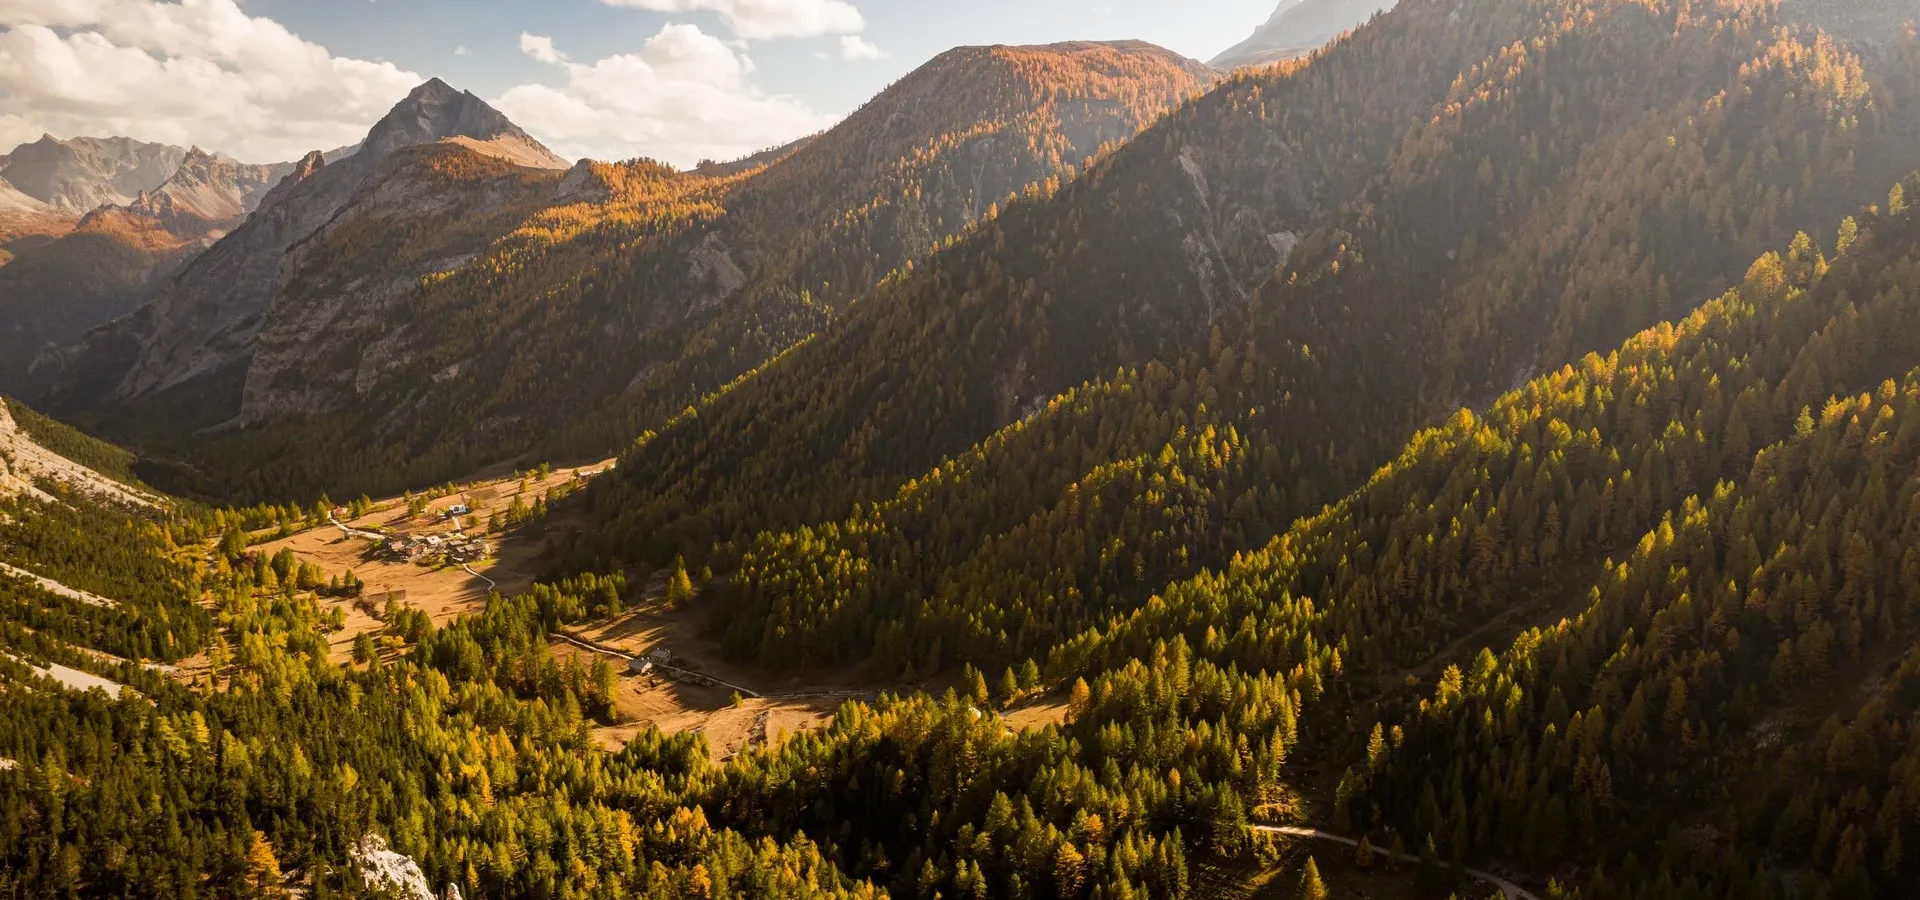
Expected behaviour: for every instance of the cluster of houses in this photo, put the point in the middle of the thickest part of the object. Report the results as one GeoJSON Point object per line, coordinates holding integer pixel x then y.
{"type": "Point", "coordinates": [423, 548]}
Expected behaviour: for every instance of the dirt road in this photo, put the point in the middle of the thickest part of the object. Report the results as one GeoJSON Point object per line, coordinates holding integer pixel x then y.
{"type": "Point", "coordinates": [1508, 888]}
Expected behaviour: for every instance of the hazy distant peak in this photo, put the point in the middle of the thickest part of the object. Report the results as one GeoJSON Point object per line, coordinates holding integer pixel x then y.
{"type": "Point", "coordinates": [1297, 28]}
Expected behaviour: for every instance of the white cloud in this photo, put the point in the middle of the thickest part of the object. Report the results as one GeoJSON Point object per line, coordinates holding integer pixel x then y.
{"type": "Point", "coordinates": [189, 72]}
{"type": "Point", "coordinates": [853, 47]}
{"type": "Point", "coordinates": [540, 48]}
{"type": "Point", "coordinates": [762, 20]}
{"type": "Point", "coordinates": [461, 50]}
{"type": "Point", "coordinates": [685, 96]}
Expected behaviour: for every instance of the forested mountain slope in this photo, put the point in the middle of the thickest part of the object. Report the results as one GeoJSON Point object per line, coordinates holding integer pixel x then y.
{"type": "Point", "coordinates": [1712, 526]}
{"type": "Point", "coordinates": [1716, 499]}
{"type": "Point", "coordinates": [1495, 438]}
{"type": "Point", "coordinates": [630, 298]}
{"type": "Point", "coordinates": [1570, 170]}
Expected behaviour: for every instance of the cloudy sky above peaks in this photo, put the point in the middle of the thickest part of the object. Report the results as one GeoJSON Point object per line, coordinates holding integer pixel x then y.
{"type": "Point", "coordinates": [679, 80]}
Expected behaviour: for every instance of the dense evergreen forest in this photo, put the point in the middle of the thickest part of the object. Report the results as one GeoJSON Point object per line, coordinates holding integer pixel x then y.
{"type": "Point", "coordinates": [1495, 438]}
{"type": "Point", "coordinates": [857, 488]}
{"type": "Point", "coordinates": [1524, 219]}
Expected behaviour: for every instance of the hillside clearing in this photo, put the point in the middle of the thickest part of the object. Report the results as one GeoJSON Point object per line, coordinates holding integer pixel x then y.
{"type": "Point", "coordinates": [442, 591]}
{"type": "Point", "coordinates": [791, 702]}
{"type": "Point", "coordinates": [71, 678]}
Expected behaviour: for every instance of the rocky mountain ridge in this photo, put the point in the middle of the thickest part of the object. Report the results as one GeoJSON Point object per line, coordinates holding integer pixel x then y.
{"type": "Point", "coordinates": [209, 191]}
{"type": "Point", "coordinates": [81, 174]}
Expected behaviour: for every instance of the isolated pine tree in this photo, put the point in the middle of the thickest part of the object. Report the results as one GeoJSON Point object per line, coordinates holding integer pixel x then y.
{"type": "Point", "coordinates": [1312, 887]}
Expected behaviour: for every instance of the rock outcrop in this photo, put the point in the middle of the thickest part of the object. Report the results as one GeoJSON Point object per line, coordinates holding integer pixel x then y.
{"type": "Point", "coordinates": [385, 870]}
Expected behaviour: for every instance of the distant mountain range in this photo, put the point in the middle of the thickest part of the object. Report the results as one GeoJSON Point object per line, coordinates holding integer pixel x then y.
{"type": "Point", "coordinates": [88, 226]}
{"type": "Point", "coordinates": [1298, 28]}
{"type": "Point", "coordinates": [82, 174]}
{"type": "Point", "coordinates": [208, 315]}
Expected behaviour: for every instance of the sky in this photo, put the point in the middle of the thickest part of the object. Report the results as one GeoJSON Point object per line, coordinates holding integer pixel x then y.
{"type": "Point", "coordinates": [676, 80]}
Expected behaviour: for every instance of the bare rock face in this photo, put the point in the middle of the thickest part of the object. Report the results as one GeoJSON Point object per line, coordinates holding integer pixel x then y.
{"type": "Point", "coordinates": [585, 183]}
{"type": "Point", "coordinates": [209, 316]}
{"type": "Point", "coordinates": [83, 174]}
{"type": "Point", "coordinates": [712, 274]}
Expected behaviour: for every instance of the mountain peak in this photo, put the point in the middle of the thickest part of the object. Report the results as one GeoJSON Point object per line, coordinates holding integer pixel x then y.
{"type": "Point", "coordinates": [434, 86]}
{"type": "Point", "coordinates": [436, 111]}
